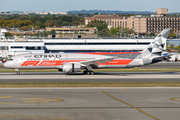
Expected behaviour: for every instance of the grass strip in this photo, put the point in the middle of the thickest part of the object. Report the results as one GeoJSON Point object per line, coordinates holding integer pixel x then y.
{"type": "Point", "coordinates": [89, 84]}
{"type": "Point", "coordinates": [98, 70]}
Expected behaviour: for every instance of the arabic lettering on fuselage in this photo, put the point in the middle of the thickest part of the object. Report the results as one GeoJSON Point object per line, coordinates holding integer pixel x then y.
{"type": "Point", "coordinates": [48, 56]}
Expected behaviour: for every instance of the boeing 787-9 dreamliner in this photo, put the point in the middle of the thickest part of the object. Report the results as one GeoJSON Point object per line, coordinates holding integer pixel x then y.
{"type": "Point", "coordinates": [74, 62]}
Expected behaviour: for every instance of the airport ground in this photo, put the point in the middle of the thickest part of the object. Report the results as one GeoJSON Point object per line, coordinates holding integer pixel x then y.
{"type": "Point", "coordinates": [91, 97]}
{"type": "Point", "coordinates": [103, 78]}
{"type": "Point", "coordinates": [119, 103]}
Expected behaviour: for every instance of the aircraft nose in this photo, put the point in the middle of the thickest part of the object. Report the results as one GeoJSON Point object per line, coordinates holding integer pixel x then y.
{"type": "Point", "coordinates": [7, 64]}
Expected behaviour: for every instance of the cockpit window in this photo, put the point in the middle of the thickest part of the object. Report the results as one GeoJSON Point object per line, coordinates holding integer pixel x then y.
{"type": "Point", "coordinates": [10, 59]}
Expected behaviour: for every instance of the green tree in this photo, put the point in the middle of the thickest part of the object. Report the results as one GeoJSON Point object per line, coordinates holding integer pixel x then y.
{"type": "Point", "coordinates": [116, 31]}
{"type": "Point", "coordinates": [40, 21]}
{"type": "Point", "coordinates": [177, 47]}
{"type": "Point", "coordinates": [172, 34]}
{"type": "Point", "coordinates": [66, 24]}
{"type": "Point", "coordinates": [59, 23]}
{"type": "Point", "coordinates": [8, 35]}
{"type": "Point", "coordinates": [66, 18]}
{"type": "Point", "coordinates": [171, 46]}
{"type": "Point", "coordinates": [101, 25]}
{"type": "Point", "coordinates": [51, 32]}
{"type": "Point", "coordinates": [104, 33]}
{"type": "Point", "coordinates": [50, 23]}
{"type": "Point", "coordinates": [96, 13]}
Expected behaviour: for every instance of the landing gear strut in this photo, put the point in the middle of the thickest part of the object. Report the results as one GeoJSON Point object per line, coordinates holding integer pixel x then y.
{"type": "Point", "coordinates": [18, 73]}
{"type": "Point", "coordinates": [86, 72]}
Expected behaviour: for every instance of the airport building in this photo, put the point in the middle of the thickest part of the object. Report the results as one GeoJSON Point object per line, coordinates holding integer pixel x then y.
{"type": "Point", "coordinates": [10, 47]}
{"type": "Point", "coordinates": [51, 13]}
{"type": "Point", "coordinates": [19, 47]}
{"type": "Point", "coordinates": [107, 18]}
{"type": "Point", "coordinates": [11, 13]}
{"type": "Point", "coordinates": [142, 24]}
{"type": "Point", "coordinates": [95, 45]}
{"type": "Point", "coordinates": [31, 13]}
{"type": "Point", "coordinates": [4, 49]}
{"type": "Point", "coordinates": [73, 32]}
{"type": "Point", "coordinates": [73, 29]}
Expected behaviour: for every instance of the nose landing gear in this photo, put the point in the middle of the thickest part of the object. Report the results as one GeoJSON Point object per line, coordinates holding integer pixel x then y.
{"type": "Point", "coordinates": [17, 71]}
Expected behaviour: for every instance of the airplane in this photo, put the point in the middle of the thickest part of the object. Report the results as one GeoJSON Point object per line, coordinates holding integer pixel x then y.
{"type": "Point", "coordinates": [74, 62]}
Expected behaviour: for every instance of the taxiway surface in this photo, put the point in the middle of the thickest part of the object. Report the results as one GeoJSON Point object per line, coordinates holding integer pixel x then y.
{"type": "Point", "coordinates": [90, 104]}
{"type": "Point", "coordinates": [97, 77]}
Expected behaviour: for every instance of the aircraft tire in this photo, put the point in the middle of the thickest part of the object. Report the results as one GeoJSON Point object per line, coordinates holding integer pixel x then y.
{"type": "Point", "coordinates": [88, 72]}
{"type": "Point", "coordinates": [92, 72]}
{"type": "Point", "coordinates": [18, 73]}
{"type": "Point", "coordinates": [85, 72]}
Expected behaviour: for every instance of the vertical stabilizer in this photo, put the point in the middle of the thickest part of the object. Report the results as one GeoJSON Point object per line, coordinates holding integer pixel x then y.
{"type": "Point", "coordinates": [158, 45]}
{"type": "Point", "coordinates": [153, 51]}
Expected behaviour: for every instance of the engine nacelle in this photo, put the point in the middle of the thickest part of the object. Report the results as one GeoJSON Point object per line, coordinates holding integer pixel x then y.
{"type": "Point", "coordinates": [71, 67]}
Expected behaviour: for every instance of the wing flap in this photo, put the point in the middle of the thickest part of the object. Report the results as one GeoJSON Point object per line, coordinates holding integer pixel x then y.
{"type": "Point", "coordinates": [96, 61]}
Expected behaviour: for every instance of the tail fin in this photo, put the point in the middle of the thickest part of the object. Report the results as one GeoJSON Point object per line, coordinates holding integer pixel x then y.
{"type": "Point", "coordinates": [153, 52]}
{"type": "Point", "coordinates": [158, 44]}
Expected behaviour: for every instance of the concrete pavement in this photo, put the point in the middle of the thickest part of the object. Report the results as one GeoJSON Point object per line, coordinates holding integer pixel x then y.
{"type": "Point", "coordinates": [90, 104]}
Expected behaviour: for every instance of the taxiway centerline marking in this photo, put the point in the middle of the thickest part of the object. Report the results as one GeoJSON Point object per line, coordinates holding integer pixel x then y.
{"type": "Point", "coordinates": [131, 105]}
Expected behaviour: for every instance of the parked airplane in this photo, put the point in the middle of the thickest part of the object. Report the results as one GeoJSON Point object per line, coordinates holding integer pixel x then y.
{"type": "Point", "coordinates": [74, 62]}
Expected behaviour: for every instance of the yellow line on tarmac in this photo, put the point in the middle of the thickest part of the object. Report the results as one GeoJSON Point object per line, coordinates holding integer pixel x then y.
{"type": "Point", "coordinates": [39, 98]}
{"type": "Point", "coordinates": [131, 106]}
{"type": "Point", "coordinates": [32, 117]}
{"type": "Point", "coordinates": [175, 99]}
{"type": "Point", "coordinates": [6, 96]}
{"type": "Point", "coordinates": [7, 103]}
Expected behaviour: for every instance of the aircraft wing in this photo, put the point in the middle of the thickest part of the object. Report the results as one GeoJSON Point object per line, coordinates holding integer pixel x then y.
{"type": "Point", "coordinates": [95, 61]}
{"type": "Point", "coordinates": [103, 60]}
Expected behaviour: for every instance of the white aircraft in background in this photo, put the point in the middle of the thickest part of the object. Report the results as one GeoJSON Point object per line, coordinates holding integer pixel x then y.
{"type": "Point", "coordinates": [74, 62]}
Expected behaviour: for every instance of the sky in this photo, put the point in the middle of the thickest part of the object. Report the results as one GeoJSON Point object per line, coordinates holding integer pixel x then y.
{"type": "Point", "coordinates": [68, 5]}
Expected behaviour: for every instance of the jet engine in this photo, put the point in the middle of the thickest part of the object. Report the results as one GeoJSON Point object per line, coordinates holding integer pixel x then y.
{"type": "Point", "coordinates": [71, 67]}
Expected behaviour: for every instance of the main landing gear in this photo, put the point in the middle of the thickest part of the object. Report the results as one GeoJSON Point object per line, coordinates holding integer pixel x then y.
{"type": "Point", "coordinates": [86, 72]}
{"type": "Point", "coordinates": [17, 72]}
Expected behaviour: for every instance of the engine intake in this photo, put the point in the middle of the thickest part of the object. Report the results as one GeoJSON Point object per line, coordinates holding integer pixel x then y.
{"type": "Point", "coordinates": [71, 67]}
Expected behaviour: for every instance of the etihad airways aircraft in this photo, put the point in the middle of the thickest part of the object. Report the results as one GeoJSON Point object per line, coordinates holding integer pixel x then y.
{"type": "Point", "coordinates": [74, 62]}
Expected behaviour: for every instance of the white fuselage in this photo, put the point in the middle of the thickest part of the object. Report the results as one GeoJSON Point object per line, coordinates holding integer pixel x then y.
{"type": "Point", "coordinates": [56, 60]}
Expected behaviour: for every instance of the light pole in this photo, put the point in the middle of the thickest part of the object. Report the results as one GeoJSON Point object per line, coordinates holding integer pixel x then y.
{"type": "Point", "coordinates": [24, 35]}
{"type": "Point", "coordinates": [133, 32]}
{"type": "Point", "coordinates": [149, 34]}
{"type": "Point", "coordinates": [117, 33]}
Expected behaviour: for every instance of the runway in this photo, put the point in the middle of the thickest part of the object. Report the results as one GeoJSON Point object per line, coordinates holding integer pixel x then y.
{"type": "Point", "coordinates": [90, 104]}
{"type": "Point", "coordinates": [116, 103]}
{"type": "Point", "coordinates": [97, 77]}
